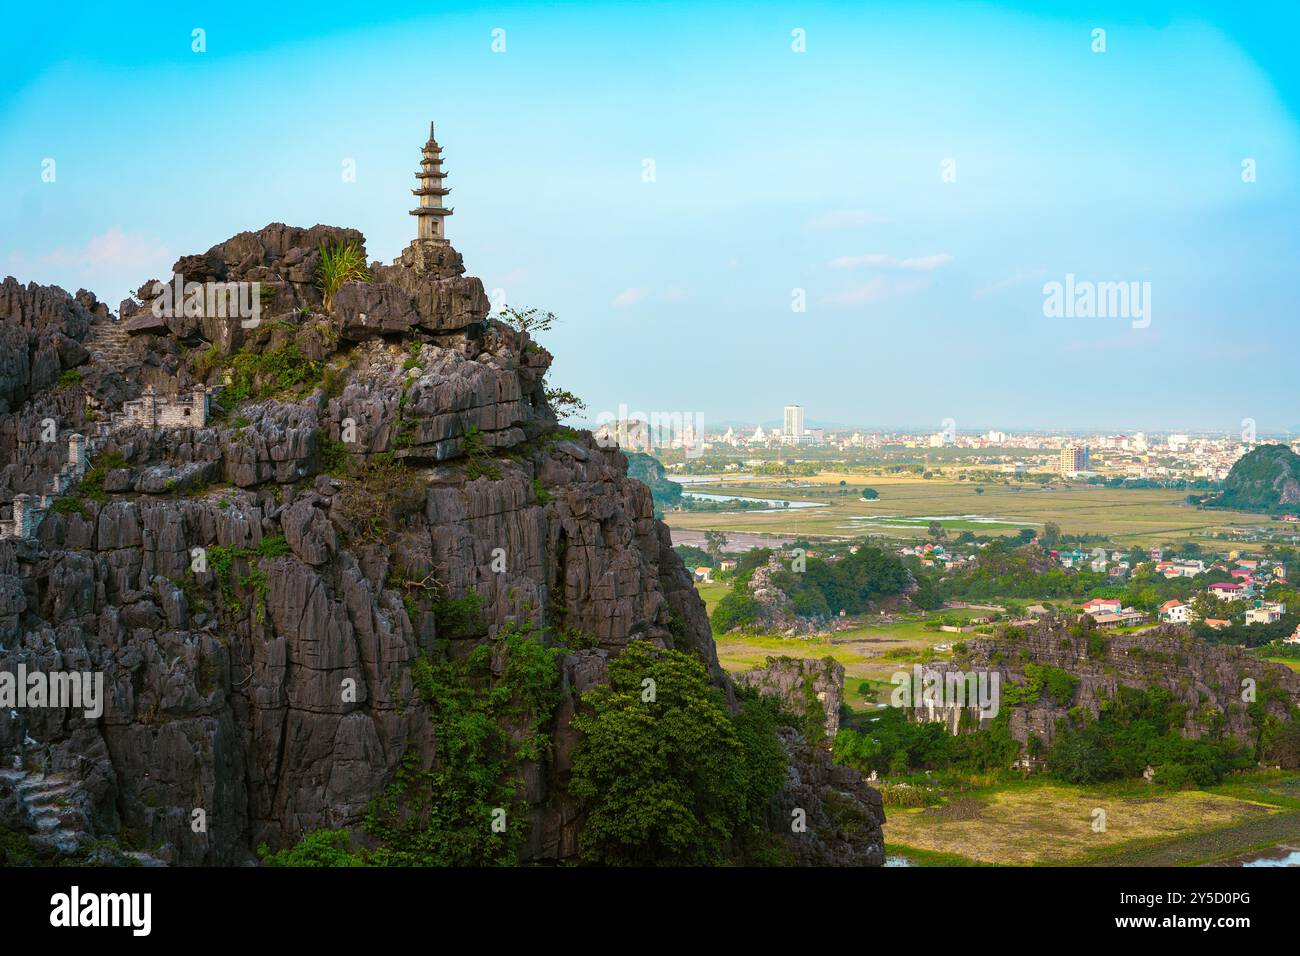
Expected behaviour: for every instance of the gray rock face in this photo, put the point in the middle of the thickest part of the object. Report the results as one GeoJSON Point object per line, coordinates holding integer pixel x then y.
{"type": "Point", "coordinates": [833, 817]}
{"type": "Point", "coordinates": [246, 610]}
{"type": "Point", "coordinates": [40, 337]}
{"type": "Point", "coordinates": [1206, 678]}
{"type": "Point", "coordinates": [811, 690]}
{"type": "Point", "coordinates": [225, 689]}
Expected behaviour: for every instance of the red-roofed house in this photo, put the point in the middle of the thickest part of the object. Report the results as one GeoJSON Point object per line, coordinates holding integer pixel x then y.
{"type": "Point", "coordinates": [1174, 612]}
{"type": "Point", "coordinates": [1233, 591]}
{"type": "Point", "coordinates": [1103, 606]}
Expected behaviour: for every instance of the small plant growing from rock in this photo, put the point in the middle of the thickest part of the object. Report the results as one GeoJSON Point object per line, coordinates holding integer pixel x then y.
{"type": "Point", "coordinates": [564, 402]}
{"type": "Point", "coordinates": [339, 263]}
{"type": "Point", "coordinates": [479, 459]}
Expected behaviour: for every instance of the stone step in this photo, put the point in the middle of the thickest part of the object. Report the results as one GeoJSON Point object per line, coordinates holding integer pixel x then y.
{"type": "Point", "coordinates": [44, 794]}
{"type": "Point", "coordinates": [62, 841]}
{"type": "Point", "coordinates": [44, 798]}
{"type": "Point", "coordinates": [109, 344]}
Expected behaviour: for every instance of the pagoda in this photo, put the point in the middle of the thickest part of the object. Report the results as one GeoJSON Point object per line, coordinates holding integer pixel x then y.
{"type": "Point", "coordinates": [431, 211]}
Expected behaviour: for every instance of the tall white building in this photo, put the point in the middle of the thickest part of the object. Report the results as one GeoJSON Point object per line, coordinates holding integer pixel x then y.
{"type": "Point", "coordinates": [793, 429]}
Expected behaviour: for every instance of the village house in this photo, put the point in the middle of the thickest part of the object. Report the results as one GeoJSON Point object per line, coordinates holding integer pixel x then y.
{"type": "Point", "coordinates": [1103, 606]}
{"type": "Point", "coordinates": [1265, 613]}
{"type": "Point", "coordinates": [1229, 591]}
{"type": "Point", "coordinates": [1294, 638]}
{"type": "Point", "coordinates": [1175, 612]}
{"type": "Point", "coordinates": [1181, 569]}
{"type": "Point", "coordinates": [1217, 624]}
{"type": "Point", "coordinates": [1124, 618]}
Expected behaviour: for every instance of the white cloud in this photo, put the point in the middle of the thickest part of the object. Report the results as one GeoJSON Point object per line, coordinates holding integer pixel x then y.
{"type": "Point", "coordinates": [916, 264]}
{"type": "Point", "coordinates": [844, 219]}
{"type": "Point", "coordinates": [676, 294]}
{"type": "Point", "coordinates": [1009, 282]}
{"type": "Point", "coordinates": [115, 249]}
{"type": "Point", "coordinates": [875, 290]}
{"type": "Point", "coordinates": [628, 297]}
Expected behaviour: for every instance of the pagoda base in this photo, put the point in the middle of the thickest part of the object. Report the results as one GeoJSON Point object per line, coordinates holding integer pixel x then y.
{"type": "Point", "coordinates": [431, 257]}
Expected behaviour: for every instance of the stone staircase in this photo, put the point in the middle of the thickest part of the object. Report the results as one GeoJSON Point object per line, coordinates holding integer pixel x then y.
{"type": "Point", "coordinates": [48, 801]}
{"type": "Point", "coordinates": [109, 345]}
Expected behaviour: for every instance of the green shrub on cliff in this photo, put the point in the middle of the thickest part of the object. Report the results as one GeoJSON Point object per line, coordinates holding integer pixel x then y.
{"type": "Point", "coordinates": [662, 774]}
{"type": "Point", "coordinates": [1141, 728]}
{"type": "Point", "coordinates": [486, 720]}
{"type": "Point", "coordinates": [317, 848]}
{"type": "Point", "coordinates": [736, 609]}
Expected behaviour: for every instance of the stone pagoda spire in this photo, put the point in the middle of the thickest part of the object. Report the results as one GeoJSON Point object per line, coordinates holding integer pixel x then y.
{"type": "Point", "coordinates": [431, 212]}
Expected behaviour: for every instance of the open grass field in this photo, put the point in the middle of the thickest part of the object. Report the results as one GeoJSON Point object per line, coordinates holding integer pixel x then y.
{"type": "Point", "coordinates": [873, 652]}
{"type": "Point", "coordinates": [907, 505]}
{"type": "Point", "coordinates": [1290, 662]}
{"type": "Point", "coordinates": [712, 594]}
{"type": "Point", "coordinates": [1045, 823]}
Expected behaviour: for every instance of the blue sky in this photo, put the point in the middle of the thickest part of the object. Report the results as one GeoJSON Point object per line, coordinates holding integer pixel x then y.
{"type": "Point", "coordinates": [774, 170]}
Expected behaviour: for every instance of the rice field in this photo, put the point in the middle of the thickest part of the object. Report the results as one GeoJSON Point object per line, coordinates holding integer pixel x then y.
{"type": "Point", "coordinates": [907, 505]}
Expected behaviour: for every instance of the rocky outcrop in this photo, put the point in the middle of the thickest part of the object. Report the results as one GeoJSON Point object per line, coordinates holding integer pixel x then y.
{"type": "Point", "coordinates": [250, 609]}
{"type": "Point", "coordinates": [1208, 679]}
{"type": "Point", "coordinates": [775, 609]}
{"type": "Point", "coordinates": [40, 338]}
{"type": "Point", "coordinates": [827, 814]}
{"type": "Point", "coordinates": [812, 690]}
{"type": "Point", "coordinates": [834, 818]}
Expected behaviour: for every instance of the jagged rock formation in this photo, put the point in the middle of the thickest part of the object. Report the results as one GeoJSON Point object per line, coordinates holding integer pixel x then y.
{"type": "Point", "coordinates": [812, 690]}
{"type": "Point", "coordinates": [844, 816]}
{"type": "Point", "coordinates": [1206, 678]}
{"type": "Point", "coordinates": [223, 679]}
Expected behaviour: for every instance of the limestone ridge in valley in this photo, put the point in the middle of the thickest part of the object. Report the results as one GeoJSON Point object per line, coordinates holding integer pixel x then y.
{"type": "Point", "coordinates": [357, 465]}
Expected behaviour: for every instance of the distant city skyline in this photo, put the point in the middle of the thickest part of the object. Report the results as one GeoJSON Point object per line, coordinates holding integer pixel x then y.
{"type": "Point", "coordinates": [777, 423]}
{"type": "Point", "coordinates": [727, 206]}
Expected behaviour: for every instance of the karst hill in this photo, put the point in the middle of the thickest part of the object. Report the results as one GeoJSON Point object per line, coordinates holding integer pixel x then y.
{"type": "Point", "coordinates": [347, 578]}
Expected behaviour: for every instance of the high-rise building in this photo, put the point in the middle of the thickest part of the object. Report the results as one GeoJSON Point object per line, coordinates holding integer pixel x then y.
{"type": "Point", "coordinates": [793, 429]}
{"type": "Point", "coordinates": [1074, 458]}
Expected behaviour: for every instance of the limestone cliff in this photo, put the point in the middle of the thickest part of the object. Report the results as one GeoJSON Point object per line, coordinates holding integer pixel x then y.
{"type": "Point", "coordinates": [223, 676]}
